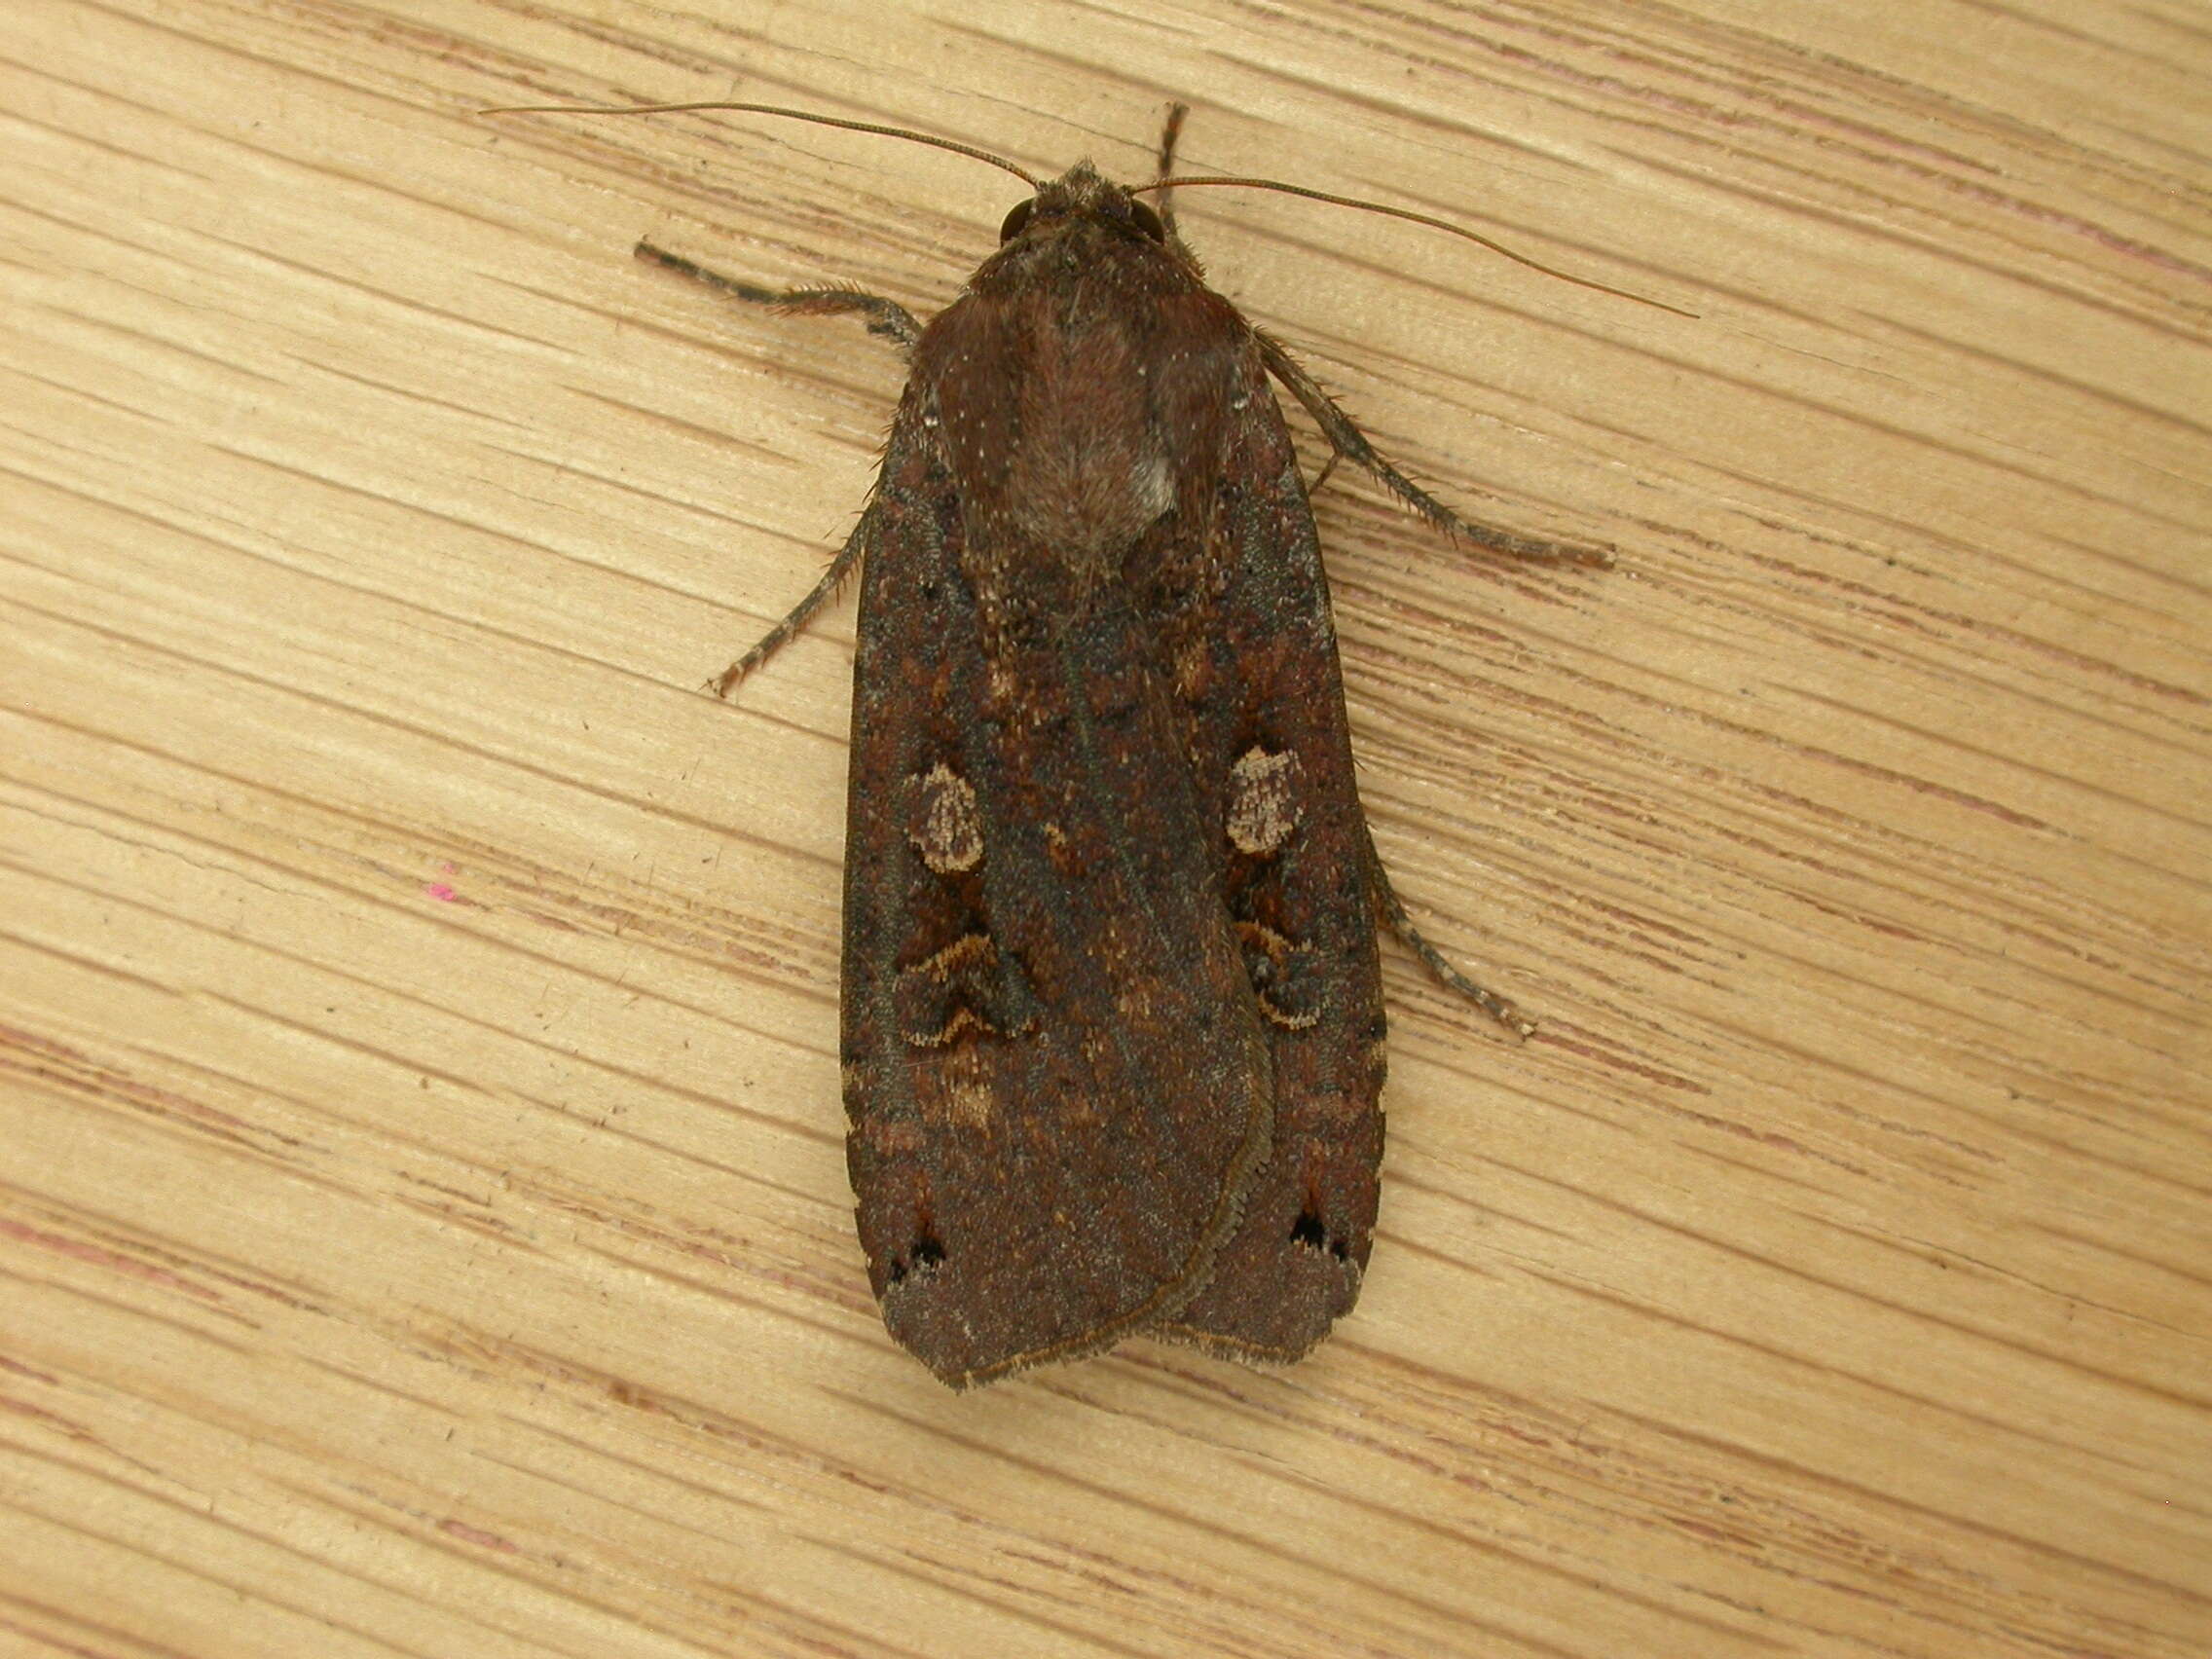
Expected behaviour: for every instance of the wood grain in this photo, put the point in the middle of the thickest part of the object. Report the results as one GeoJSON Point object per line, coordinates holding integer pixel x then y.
{"type": "Point", "coordinates": [422, 1223]}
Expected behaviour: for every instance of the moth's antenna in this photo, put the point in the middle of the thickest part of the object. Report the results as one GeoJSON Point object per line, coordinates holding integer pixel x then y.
{"type": "Point", "coordinates": [770, 109]}
{"type": "Point", "coordinates": [1433, 223]}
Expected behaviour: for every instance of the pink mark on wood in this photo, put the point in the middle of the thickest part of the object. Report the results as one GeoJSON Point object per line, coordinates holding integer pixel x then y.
{"type": "Point", "coordinates": [476, 1535]}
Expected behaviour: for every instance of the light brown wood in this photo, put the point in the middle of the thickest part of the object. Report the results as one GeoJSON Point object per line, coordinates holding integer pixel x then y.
{"type": "Point", "coordinates": [423, 1227]}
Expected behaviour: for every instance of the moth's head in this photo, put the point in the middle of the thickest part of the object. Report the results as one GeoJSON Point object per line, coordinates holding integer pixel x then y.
{"type": "Point", "coordinates": [1081, 195]}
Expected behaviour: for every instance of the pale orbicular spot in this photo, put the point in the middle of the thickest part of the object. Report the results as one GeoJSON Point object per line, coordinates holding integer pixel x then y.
{"type": "Point", "coordinates": [943, 821]}
{"type": "Point", "coordinates": [1262, 801]}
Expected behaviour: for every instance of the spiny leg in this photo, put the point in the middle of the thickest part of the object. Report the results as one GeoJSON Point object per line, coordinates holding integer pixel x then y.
{"type": "Point", "coordinates": [801, 614]}
{"type": "Point", "coordinates": [885, 317]}
{"type": "Point", "coordinates": [1393, 910]}
{"type": "Point", "coordinates": [1348, 441]}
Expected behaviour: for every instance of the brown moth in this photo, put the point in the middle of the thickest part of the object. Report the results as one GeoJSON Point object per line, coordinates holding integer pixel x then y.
{"type": "Point", "coordinates": [1113, 1024]}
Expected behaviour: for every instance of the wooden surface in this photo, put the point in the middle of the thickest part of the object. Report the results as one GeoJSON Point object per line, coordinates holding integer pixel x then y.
{"type": "Point", "coordinates": [423, 1225]}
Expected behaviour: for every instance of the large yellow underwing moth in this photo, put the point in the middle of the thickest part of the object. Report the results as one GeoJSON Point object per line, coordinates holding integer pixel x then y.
{"type": "Point", "coordinates": [1113, 1026]}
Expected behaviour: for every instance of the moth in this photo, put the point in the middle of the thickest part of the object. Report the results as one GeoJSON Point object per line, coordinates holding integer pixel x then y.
{"type": "Point", "coordinates": [1112, 1014]}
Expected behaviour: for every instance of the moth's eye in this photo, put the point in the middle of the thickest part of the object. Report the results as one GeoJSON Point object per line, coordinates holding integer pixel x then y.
{"type": "Point", "coordinates": [1147, 221]}
{"type": "Point", "coordinates": [1016, 220]}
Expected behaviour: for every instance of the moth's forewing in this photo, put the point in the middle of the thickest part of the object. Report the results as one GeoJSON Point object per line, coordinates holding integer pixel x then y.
{"type": "Point", "coordinates": [1057, 1076]}
{"type": "Point", "coordinates": [1258, 681]}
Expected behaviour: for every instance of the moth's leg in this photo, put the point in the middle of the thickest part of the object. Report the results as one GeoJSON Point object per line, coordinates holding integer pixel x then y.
{"type": "Point", "coordinates": [1162, 200]}
{"type": "Point", "coordinates": [1348, 441]}
{"type": "Point", "coordinates": [1393, 910]}
{"type": "Point", "coordinates": [886, 317]}
{"type": "Point", "coordinates": [801, 614]}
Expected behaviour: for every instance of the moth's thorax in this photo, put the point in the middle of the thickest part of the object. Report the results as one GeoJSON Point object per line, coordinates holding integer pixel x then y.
{"type": "Point", "coordinates": [1083, 385]}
